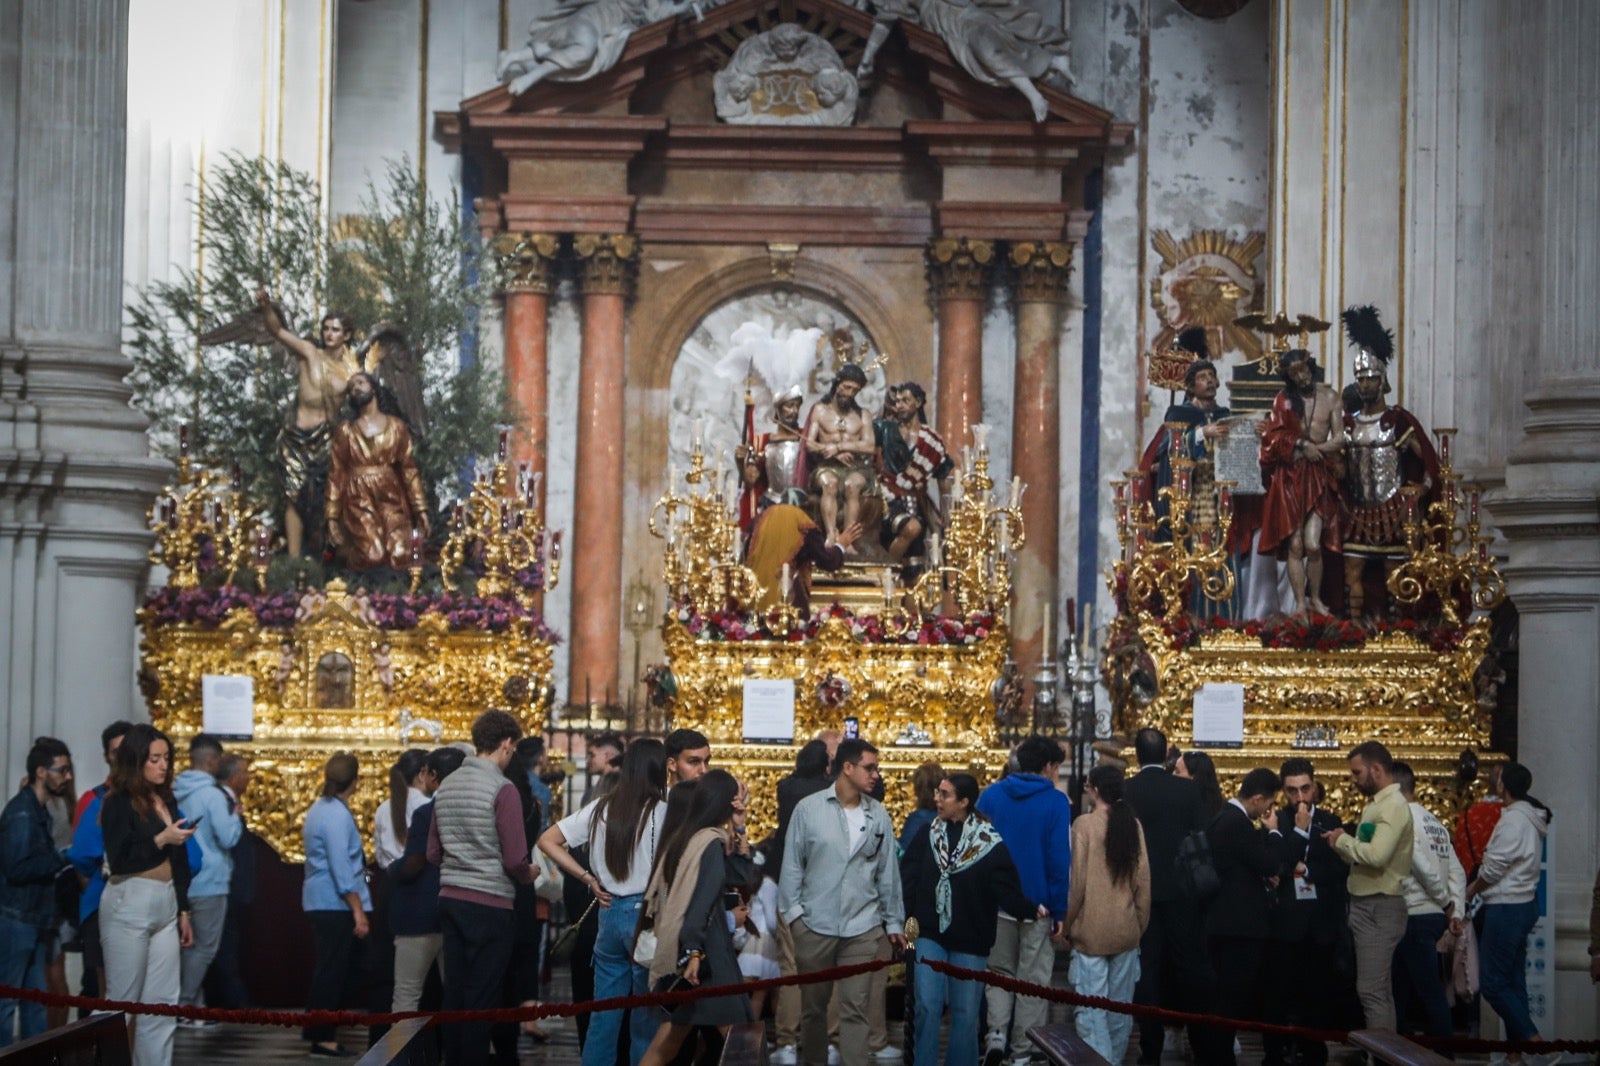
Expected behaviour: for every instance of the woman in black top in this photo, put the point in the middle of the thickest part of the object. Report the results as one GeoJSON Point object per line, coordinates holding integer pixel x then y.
{"type": "Point", "coordinates": [144, 914]}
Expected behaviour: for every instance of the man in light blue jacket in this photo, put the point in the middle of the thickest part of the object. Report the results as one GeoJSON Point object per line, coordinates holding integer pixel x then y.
{"type": "Point", "coordinates": [217, 828]}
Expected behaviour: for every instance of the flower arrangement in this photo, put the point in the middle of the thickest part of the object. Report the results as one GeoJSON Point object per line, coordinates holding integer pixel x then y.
{"type": "Point", "coordinates": [732, 625]}
{"type": "Point", "coordinates": [1317, 632]}
{"type": "Point", "coordinates": [208, 607]}
{"type": "Point", "coordinates": [833, 691]}
{"type": "Point", "coordinates": [662, 685]}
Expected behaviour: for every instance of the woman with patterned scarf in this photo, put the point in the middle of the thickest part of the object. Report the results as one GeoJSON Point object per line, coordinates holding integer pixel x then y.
{"type": "Point", "coordinates": [957, 876]}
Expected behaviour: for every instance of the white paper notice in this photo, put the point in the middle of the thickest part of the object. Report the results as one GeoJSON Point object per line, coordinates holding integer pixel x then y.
{"type": "Point", "coordinates": [768, 711]}
{"type": "Point", "coordinates": [228, 705]}
{"type": "Point", "coordinates": [1219, 716]}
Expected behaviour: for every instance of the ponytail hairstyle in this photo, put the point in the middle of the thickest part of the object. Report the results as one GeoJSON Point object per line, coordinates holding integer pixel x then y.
{"type": "Point", "coordinates": [1122, 830]}
{"type": "Point", "coordinates": [412, 762]}
{"type": "Point", "coordinates": [1516, 779]}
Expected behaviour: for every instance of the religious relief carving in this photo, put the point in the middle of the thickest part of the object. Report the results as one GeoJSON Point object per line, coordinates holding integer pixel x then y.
{"type": "Point", "coordinates": [607, 260]}
{"type": "Point", "coordinates": [787, 76]}
{"type": "Point", "coordinates": [958, 267]}
{"type": "Point", "coordinates": [998, 42]}
{"type": "Point", "coordinates": [1206, 280]}
{"type": "Point", "coordinates": [580, 39]}
{"type": "Point", "coordinates": [1043, 268]}
{"type": "Point", "coordinates": [526, 260]}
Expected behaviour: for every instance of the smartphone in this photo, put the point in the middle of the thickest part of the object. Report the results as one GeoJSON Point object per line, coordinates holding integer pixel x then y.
{"type": "Point", "coordinates": [194, 822]}
{"type": "Point", "coordinates": [730, 900]}
{"type": "Point", "coordinates": [852, 728]}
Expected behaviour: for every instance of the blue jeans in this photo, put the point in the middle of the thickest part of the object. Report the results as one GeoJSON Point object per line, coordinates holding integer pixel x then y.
{"type": "Point", "coordinates": [616, 975]}
{"type": "Point", "coordinates": [1503, 964]}
{"type": "Point", "coordinates": [1416, 968]}
{"type": "Point", "coordinates": [24, 951]}
{"type": "Point", "coordinates": [1110, 977]}
{"type": "Point", "coordinates": [933, 991]}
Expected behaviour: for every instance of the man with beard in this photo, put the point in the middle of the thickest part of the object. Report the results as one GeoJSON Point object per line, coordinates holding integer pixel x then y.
{"type": "Point", "coordinates": [1299, 460]}
{"type": "Point", "coordinates": [29, 865]}
{"type": "Point", "coordinates": [375, 494]}
{"type": "Point", "coordinates": [770, 469]}
{"type": "Point", "coordinates": [910, 457]}
{"type": "Point", "coordinates": [1386, 448]}
{"type": "Point", "coordinates": [839, 444]}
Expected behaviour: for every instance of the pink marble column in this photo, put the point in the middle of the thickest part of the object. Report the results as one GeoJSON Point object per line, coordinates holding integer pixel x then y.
{"type": "Point", "coordinates": [607, 262]}
{"type": "Point", "coordinates": [526, 261]}
{"type": "Point", "coordinates": [1042, 269]}
{"type": "Point", "coordinates": [958, 272]}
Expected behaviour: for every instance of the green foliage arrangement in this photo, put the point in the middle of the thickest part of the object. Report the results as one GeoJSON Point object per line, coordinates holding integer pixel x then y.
{"type": "Point", "coordinates": [403, 259]}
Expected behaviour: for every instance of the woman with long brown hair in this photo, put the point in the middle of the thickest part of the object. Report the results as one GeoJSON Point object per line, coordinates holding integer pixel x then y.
{"type": "Point", "coordinates": [144, 913]}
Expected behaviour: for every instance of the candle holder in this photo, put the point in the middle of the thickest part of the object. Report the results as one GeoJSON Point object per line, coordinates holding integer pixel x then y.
{"type": "Point", "coordinates": [500, 528]}
{"type": "Point", "coordinates": [1449, 558]}
{"type": "Point", "coordinates": [204, 505]}
{"type": "Point", "coordinates": [1161, 554]}
{"type": "Point", "coordinates": [701, 529]}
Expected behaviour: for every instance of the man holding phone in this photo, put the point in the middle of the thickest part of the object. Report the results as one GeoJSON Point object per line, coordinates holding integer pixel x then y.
{"type": "Point", "coordinates": [1379, 855]}
{"type": "Point", "coordinates": [217, 830]}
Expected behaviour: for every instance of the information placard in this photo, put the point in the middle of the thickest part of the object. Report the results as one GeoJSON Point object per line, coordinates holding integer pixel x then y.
{"type": "Point", "coordinates": [1219, 715]}
{"type": "Point", "coordinates": [768, 711]}
{"type": "Point", "coordinates": [228, 706]}
{"type": "Point", "coordinates": [1237, 457]}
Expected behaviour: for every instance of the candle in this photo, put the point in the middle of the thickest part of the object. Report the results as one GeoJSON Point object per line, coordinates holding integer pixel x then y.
{"type": "Point", "coordinates": [1483, 553]}
{"type": "Point", "coordinates": [699, 430]}
{"type": "Point", "coordinates": [888, 585]}
{"type": "Point", "coordinates": [533, 487]}
{"type": "Point", "coordinates": [1473, 499]}
{"type": "Point", "coordinates": [1004, 529]}
{"type": "Point", "coordinates": [504, 448]}
{"type": "Point", "coordinates": [183, 438]}
{"type": "Point", "coordinates": [1444, 447]}
{"type": "Point", "coordinates": [1225, 499]}
{"type": "Point", "coordinates": [955, 492]}
{"type": "Point", "coordinates": [933, 549]}
{"type": "Point", "coordinates": [1016, 491]}
{"type": "Point", "coordinates": [1174, 439]}
{"type": "Point", "coordinates": [1088, 628]}
{"type": "Point", "coordinates": [236, 480]}
{"type": "Point", "coordinates": [1072, 618]}
{"type": "Point", "coordinates": [980, 436]}
{"type": "Point", "coordinates": [555, 548]}
{"type": "Point", "coordinates": [522, 481]}
{"type": "Point", "coordinates": [416, 546]}
{"type": "Point", "coordinates": [1047, 634]}
{"type": "Point", "coordinates": [263, 543]}
{"type": "Point", "coordinates": [1119, 491]}
{"type": "Point", "coordinates": [545, 547]}
{"type": "Point", "coordinates": [672, 475]}
{"type": "Point", "coordinates": [1184, 474]}
{"type": "Point", "coordinates": [784, 582]}
{"type": "Point", "coordinates": [505, 520]}
{"type": "Point", "coordinates": [1411, 504]}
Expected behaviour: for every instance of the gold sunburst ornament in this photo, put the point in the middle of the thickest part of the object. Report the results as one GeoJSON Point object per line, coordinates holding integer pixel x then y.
{"type": "Point", "coordinates": [1207, 280]}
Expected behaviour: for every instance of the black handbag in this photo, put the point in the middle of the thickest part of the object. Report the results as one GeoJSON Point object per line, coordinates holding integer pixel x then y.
{"type": "Point", "coordinates": [1195, 868]}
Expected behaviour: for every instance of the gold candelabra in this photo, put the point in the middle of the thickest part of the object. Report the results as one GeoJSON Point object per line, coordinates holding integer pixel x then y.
{"type": "Point", "coordinates": [701, 527]}
{"type": "Point", "coordinates": [1161, 552]}
{"type": "Point", "coordinates": [205, 505]}
{"type": "Point", "coordinates": [1449, 557]}
{"type": "Point", "coordinates": [971, 563]}
{"type": "Point", "coordinates": [500, 528]}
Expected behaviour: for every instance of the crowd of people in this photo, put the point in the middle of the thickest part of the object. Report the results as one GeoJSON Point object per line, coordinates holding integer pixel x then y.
{"type": "Point", "coordinates": [1164, 893]}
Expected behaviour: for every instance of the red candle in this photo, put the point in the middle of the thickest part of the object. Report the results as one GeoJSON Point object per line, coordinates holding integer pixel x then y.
{"type": "Point", "coordinates": [1483, 553]}
{"type": "Point", "coordinates": [1225, 500]}
{"type": "Point", "coordinates": [263, 543]}
{"type": "Point", "coordinates": [416, 546]}
{"type": "Point", "coordinates": [458, 516]}
{"type": "Point", "coordinates": [1473, 499]}
{"type": "Point", "coordinates": [1444, 447]}
{"type": "Point", "coordinates": [505, 444]}
{"type": "Point", "coordinates": [1411, 506]}
{"type": "Point", "coordinates": [183, 438]}
{"type": "Point", "coordinates": [1174, 439]}
{"type": "Point", "coordinates": [1183, 480]}
{"type": "Point", "coordinates": [172, 512]}
{"type": "Point", "coordinates": [555, 547]}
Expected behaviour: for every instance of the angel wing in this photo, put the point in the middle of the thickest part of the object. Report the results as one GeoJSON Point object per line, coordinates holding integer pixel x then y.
{"type": "Point", "coordinates": [388, 354]}
{"type": "Point", "coordinates": [247, 328]}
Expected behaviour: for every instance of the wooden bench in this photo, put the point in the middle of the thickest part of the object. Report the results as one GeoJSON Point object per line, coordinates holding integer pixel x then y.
{"type": "Point", "coordinates": [1063, 1046]}
{"type": "Point", "coordinates": [1395, 1049]}
{"type": "Point", "coordinates": [98, 1040]}
{"type": "Point", "coordinates": [746, 1045]}
{"type": "Point", "coordinates": [407, 1043]}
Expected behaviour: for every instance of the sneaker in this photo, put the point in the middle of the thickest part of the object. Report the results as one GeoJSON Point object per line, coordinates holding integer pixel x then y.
{"type": "Point", "coordinates": [1020, 1058]}
{"type": "Point", "coordinates": [784, 1056]}
{"type": "Point", "coordinates": [197, 1023]}
{"type": "Point", "coordinates": [833, 1056]}
{"type": "Point", "coordinates": [889, 1053]}
{"type": "Point", "coordinates": [994, 1048]}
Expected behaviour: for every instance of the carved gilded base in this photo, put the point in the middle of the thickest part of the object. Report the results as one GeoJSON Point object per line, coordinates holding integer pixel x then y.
{"type": "Point", "coordinates": [334, 682]}
{"type": "Point", "coordinates": [1419, 701]}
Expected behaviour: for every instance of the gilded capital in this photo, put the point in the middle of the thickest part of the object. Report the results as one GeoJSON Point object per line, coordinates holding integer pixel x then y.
{"type": "Point", "coordinates": [958, 267]}
{"type": "Point", "coordinates": [525, 260]}
{"type": "Point", "coordinates": [1043, 268]}
{"type": "Point", "coordinates": [607, 261]}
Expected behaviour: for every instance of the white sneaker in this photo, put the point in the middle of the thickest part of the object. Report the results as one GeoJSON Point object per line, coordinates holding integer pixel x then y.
{"type": "Point", "coordinates": [784, 1056]}
{"type": "Point", "coordinates": [888, 1053]}
{"type": "Point", "coordinates": [994, 1047]}
{"type": "Point", "coordinates": [833, 1056]}
{"type": "Point", "coordinates": [1020, 1058]}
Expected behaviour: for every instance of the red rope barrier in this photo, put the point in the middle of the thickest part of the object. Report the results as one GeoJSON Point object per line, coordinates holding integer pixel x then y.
{"type": "Point", "coordinates": [1062, 995]}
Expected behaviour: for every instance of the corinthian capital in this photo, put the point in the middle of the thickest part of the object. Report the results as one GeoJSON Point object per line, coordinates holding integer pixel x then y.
{"type": "Point", "coordinates": [958, 267]}
{"type": "Point", "coordinates": [1043, 268]}
{"type": "Point", "coordinates": [607, 260]}
{"type": "Point", "coordinates": [525, 260]}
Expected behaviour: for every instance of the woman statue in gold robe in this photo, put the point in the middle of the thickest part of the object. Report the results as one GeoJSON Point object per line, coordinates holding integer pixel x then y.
{"type": "Point", "coordinates": [375, 493]}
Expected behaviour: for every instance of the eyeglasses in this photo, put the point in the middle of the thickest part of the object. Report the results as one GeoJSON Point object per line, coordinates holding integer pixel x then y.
{"type": "Point", "coordinates": [66, 770]}
{"type": "Point", "coordinates": [871, 768]}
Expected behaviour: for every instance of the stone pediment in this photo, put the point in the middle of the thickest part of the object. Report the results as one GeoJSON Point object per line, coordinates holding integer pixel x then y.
{"type": "Point", "coordinates": [914, 62]}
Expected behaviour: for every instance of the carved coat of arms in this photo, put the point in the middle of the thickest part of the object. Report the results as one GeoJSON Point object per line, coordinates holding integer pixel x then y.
{"type": "Point", "coordinates": [786, 76]}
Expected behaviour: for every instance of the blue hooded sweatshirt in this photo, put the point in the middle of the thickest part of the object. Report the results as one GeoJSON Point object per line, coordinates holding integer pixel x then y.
{"type": "Point", "coordinates": [201, 797]}
{"type": "Point", "coordinates": [1035, 821]}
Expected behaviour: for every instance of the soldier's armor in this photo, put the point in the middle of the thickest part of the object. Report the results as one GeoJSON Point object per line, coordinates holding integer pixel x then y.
{"type": "Point", "coordinates": [783, 466]}
{"type": "Point", "coordinates": [1373, 462]}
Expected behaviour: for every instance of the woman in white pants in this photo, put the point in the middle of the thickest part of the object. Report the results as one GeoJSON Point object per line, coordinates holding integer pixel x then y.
{"type": "Point", "coordinates": [144, 914]}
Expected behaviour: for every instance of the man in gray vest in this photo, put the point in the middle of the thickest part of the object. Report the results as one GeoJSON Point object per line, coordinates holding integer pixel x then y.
{"type": "Point", "coordinates": [481, 848]}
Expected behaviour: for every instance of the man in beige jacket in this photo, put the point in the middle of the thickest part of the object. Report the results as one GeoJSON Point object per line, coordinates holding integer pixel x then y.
{"type": "Point", "coordinates": [1379, 854]}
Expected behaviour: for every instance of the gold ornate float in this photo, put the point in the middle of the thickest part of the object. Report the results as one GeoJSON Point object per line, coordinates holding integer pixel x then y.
{"type": "Point", "coordinates": [337, 669]}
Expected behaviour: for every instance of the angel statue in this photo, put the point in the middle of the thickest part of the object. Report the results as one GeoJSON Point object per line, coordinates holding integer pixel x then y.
{"type": "Point", "coordinates": [581, 38]}
{"type": "Point", "coordinates": [324, 371]}
{"type": "Point", "coordinates": [771, 465]}
{"type": "Point", "coordinates": [998, 42]}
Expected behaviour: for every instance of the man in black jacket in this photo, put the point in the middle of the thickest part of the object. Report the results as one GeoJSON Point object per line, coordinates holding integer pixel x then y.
{"type": "Point", "coordinates": [1173, 971]}
{"type": "Point", "coordinates": [1304, 981]}
{"type": "Point", "coordinates": [1237, 921]}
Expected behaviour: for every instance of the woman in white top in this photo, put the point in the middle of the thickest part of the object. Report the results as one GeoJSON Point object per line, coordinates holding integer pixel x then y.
{"type": "Point", "coordinates": [622, 831]}
{"type": "Point", "coordinates": [406, 794]}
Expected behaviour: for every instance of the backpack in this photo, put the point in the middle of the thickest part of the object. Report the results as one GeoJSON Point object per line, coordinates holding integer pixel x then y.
{"type": "Point", "coordinates": [1195, 869]}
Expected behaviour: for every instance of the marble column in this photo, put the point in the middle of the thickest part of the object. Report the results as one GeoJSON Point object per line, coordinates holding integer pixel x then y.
{"type": "Point", "coordinates": [1042, 271]}
{"type": "Point", "coordinates": [607, 264]}
{"type": "Point", "coordinates": [958, 271]}
{"type": "Point", "coordinates": [75, 477]}
{"type": "Point", "coordinates": [1548, 509]}
{"type": "Point", "coordinates": [527, 264]}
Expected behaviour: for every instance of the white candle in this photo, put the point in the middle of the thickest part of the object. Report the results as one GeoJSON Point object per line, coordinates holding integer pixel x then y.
{"type": "Point", "coordinates": [955, 492]}
{"type": "Point", "coordinates": [1016, 491]}
{"type": "Point", "coordinates": [672, 476]}
{"type": "Point", "coordinates": [1088, 628]}
{"type": "Point", "coordinates": [980, 436]}
{"type": "Point", "coordinates": [699, 430]}
{"type": "Point", "coordinates": [1004, 541]}
{"type": "Point", "coordinates": [888, 584]}
{"type": "Point", "coordinates": [1048, 653]}
{"type": "Point", "coordinates": [784, 582]}
{"type": "Point", "coordinates": [933, 549]}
